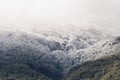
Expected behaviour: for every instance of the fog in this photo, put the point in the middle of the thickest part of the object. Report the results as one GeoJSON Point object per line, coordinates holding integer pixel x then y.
{"type": "Point", "coordinates": [26, 14]}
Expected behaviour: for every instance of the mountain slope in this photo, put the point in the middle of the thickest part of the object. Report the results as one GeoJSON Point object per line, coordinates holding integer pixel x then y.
{"type": "Point", "coordinates": [49, 58]}
{"type": "Point", "coordinates": [27, 52]}
{"type": "Point", "coordinates": [98, 50]}
{"type": "Point", "coordinates": [16, 71]}
{"type": "Point", "coordinates": [76, 40]}
{"type": "Point", "coordinates": [107, 68]}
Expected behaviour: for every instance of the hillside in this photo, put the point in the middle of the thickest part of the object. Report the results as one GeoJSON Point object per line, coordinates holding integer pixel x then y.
{"type": "Point", "coordinates": [98, 50]}
{"type": "Point", "coordinates": [107, 68]}
{"type": "Point", "coordinates": [44, 56]}
{"type": "Point", "coordinates": [26, 56]}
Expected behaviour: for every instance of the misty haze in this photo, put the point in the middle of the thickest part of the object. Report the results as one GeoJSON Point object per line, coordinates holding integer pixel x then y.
{"type": "Point", "coordinates": [59, 40]}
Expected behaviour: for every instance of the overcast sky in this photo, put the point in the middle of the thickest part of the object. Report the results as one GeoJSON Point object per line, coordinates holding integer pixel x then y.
{"type": "Point", "coordinates": [102, 13]}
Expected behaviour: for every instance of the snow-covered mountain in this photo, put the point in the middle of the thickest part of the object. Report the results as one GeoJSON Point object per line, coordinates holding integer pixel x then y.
{"type": "Point", "coordinates": [98, 50]}
{"type": "Point", "coordinates": [76, 40]}
{"type": "Point", "coordinates": [65, 50]}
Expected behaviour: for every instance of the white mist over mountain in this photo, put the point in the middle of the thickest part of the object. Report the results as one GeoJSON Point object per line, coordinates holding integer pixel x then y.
{"type": "Point", "coordinates": [27, 14]}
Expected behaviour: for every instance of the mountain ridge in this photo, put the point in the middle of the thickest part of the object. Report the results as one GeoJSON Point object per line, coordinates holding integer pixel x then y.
{"type": "Point", "coordinates": [53, 54]}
